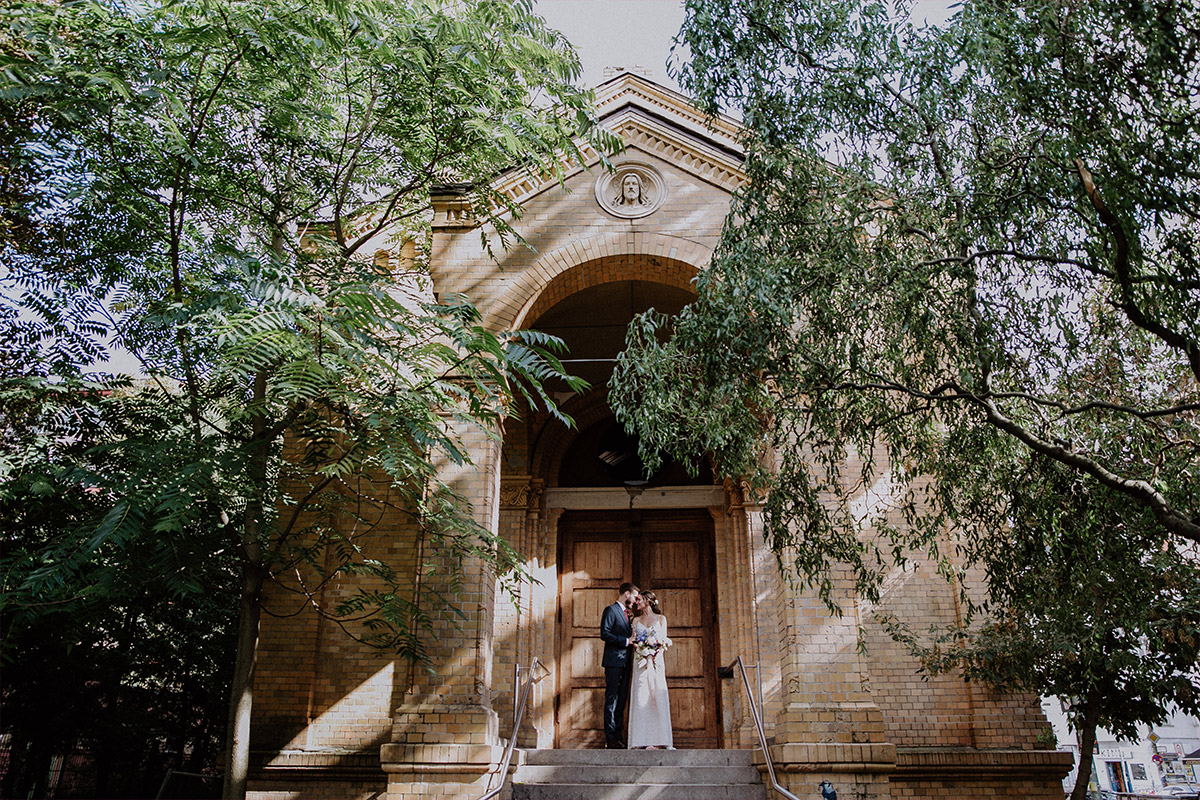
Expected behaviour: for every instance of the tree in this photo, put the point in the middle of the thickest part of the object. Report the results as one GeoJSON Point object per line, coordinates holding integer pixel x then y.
{"type": "Point", "coordinates": [963, 278]}
{"type": "Point", "coordinates": [1089, 600]}
{"type": "Point", "coordinates": [223, 189]}
{"type": "Point", "coordinates": [991, 223]}
{"type": "Point", "coordinates": [126, 657]}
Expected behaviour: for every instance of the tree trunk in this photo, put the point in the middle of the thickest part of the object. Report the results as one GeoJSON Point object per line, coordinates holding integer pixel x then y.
{"type": "Point", "coordinates": [241, 695]}
{"type": "Point", "coordinates": [1087, 743]}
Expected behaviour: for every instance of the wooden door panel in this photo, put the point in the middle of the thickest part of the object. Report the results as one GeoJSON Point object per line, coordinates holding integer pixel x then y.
{"type": "Point", "coordinates": [684, 611]}
{"type": "Point", "coordinates": [588, 605]}
{"type": "Point", "coordinates": [587, 710]}
{"type": "Point", "coordinates": [586, 656]}
{"type": "Point", "coordinates": [600, 561]}
{"type": "Point", "coordinates": [669, 561]}
{"type": "Point", "coordinates": [668, 552]}
{"type": "Point", "coordinates": [689, 710]}
{"type": "Point", "coordinates": [685, 658]}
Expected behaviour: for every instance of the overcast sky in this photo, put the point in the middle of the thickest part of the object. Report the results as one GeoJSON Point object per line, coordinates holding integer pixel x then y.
{"type": "Point", "coordinates": [629, 33]}
{"type": "Point", "coordinates": [618, 33]}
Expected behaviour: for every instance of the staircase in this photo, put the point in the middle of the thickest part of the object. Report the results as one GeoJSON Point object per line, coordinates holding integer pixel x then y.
{"type": "Point", "coordinates": [637, 775]}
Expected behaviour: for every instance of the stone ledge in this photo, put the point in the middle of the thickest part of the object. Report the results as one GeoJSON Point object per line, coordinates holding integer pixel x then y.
{"type": "Point", "coordinates": [969, 764]}
{"type": "Point", "coordinates": [334, 765]}
{"type": "Point", "coordinates": [442, 758]}
{"type": "Point", "coordinates": [817, 757]}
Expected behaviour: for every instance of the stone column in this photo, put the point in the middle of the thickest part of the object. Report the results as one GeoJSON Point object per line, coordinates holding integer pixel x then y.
{"type": "Point", "coordinates": [739, 593]}
{"type": "Point", "coordinates": [445, 733]}
{"type": "Point", "coordinates": [521, 626]}
{"type": "Point", "coordinates": [827, 726]}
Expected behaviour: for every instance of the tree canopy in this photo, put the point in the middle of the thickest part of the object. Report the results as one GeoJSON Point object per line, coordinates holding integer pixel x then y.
{"type": "Point", "coordinates": [238, 194]}
{"type": "Point", "coordinates": [956, 309]}
{"type": "Point", "coordinates": [1090, 600]}
{"type": "Point", "coordinates": [991, 223]}
{"type": "Point", "coordinates": [123, 654]}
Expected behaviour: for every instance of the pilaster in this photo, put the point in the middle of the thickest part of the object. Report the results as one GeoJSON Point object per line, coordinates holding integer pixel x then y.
{"type": "Point", "coordinates": [445, 732]}
{"type": "Point", "coordinates": [830, 728]}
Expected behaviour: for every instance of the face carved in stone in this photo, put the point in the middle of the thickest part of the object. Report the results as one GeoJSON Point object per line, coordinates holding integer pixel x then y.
{"type": "Point", "coordinates": [631, 191]}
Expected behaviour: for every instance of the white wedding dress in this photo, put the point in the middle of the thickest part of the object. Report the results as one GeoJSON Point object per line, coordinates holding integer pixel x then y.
{"type": "Point", "coordinates": [649, 705]}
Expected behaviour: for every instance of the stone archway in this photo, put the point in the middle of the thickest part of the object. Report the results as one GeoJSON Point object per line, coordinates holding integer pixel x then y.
{"type": "Point", "coordinates": [654, 257]}
{"type": "Point", "coordinates": [720, 535]}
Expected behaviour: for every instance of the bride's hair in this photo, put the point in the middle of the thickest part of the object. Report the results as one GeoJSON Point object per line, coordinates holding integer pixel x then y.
{"type": "Point", "coordinates": [652, 600]}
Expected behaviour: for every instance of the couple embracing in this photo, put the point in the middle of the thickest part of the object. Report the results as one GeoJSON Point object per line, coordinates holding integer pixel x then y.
{"type": "Point", "coordinates": [635, 638]}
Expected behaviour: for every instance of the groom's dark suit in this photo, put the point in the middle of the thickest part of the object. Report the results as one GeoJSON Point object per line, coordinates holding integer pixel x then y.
{"type": "Point", "coordinates": [615, 630]}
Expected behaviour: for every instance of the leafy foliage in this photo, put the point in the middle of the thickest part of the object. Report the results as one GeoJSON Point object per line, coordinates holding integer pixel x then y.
{"type": "Point", "coordinates": [238, 195]}
{"type": "Point", "coordinates": [1093, 602]}
{"type": "Point", "coordinates": [116, 645]}
{"type": "Point", "coordinates": [987, 224]}
{"type": "Point", "coordinates": [959, 293]}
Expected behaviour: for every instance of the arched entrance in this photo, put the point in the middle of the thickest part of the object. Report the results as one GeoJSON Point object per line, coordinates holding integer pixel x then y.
{"type": "Point", "coordinates": [669, 551]}
{"type": "Point", "coordinates": [603, 535]}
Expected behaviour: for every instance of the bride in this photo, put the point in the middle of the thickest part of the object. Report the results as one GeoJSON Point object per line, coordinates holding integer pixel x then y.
{"type": "Point", "coordinates": [649, 706]}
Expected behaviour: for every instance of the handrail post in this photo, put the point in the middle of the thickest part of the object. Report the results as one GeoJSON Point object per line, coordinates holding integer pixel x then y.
{"type": "Point", "coordinates": [518, 715]}
{"type": "Point", "coordinates": [756, 714]}
{"type": "Point", "coordinates": [516, 683]}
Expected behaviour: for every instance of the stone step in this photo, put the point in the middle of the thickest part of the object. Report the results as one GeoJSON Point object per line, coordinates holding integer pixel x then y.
{"type": "Point", "coordinates": [629, 791]}
{"type": "Point", "coordinates": [640, 758]}
{"type": "Point", "coordinates": [575, 773]}
{"type": "Point", "coordinates": [637, 775]}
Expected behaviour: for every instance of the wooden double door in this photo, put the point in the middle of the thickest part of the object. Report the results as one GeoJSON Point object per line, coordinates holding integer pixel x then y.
{"type": "Point", "coordinates": [669, 552]}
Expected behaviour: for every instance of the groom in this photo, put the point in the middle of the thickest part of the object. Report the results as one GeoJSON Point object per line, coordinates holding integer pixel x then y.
{"type": "Point", "coordinates": [616, 629]}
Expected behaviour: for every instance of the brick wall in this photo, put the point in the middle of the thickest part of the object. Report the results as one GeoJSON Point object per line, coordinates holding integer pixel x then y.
{"type": "Point", "coordinates": [320, 692]}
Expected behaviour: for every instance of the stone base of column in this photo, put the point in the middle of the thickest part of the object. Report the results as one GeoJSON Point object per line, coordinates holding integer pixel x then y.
{"type": "Point", "coordinates": [353, 776]}
{"type": "Point", "coordinates": [855, 771]}
{"type": "Point", "coordinates": [970, 774]}
{"type": "Point", "coordinates": [440, 771]}
{"type": "Point", "coordinates": [852, 722]}
{"type": "Point", "coordinates": [441, 751]}
{"type": "Point", "coordinates": [445, 723]}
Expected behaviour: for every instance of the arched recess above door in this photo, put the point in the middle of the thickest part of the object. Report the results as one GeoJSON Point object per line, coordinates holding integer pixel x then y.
{"type": "Point", "coordinates": [588, 262]}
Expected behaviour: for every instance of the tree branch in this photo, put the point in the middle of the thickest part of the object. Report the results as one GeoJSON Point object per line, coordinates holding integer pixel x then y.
{"type": "Point", "coordinates": [1121, 271]}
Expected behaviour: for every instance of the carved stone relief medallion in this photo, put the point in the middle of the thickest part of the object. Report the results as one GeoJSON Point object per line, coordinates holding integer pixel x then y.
{"type": "Point", "coordinates": [633, 190]}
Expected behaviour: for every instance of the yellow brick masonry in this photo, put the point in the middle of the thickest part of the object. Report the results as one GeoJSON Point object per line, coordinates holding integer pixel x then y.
{"type": "Point", "coordinates": [323, 699]}
{"type": "Point", "coordinates": [566, 228]}
{"type": "Point", "coordinates": [339, 720]}
{"type": "Point", "coordinates": [445, 737]}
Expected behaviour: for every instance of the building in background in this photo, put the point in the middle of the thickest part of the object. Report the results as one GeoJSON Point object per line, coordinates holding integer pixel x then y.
{"type": "Point", "coordinates": [1162, 757]}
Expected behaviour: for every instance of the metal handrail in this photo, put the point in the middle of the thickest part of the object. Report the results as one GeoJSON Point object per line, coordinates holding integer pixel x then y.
{"type": "Point", "coordinates": [758, 724]}
{"type": "Point", "coordinates": [518, 715]}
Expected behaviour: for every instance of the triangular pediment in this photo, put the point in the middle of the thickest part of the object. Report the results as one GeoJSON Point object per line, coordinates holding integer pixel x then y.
{"type": "Point", "coordinates": [657, 121]}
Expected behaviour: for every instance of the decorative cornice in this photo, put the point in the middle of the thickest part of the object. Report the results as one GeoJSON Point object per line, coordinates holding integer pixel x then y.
{"type": "Point", "coordinates": [620, 499]}
{"type": "Point", "coordinates": [740, 495]}
{"type": "Point", "coordinates": [521, 491]}
{"type": "Point", "coordinates": [645, 116]}
{"type": "Point", "coordinates": [630, 88]}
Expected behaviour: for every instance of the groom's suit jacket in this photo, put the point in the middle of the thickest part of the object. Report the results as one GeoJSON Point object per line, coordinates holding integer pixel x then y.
{"type": "Point", "coordinates": [614, 630]}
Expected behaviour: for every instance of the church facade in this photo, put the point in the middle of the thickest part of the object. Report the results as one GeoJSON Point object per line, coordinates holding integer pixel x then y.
{"type": "Point", "coordinates": [337, 719]}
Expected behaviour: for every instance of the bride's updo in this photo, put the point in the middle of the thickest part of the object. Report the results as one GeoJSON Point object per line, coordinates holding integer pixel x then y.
{"type": "Point", "coordinates": [652, 601]}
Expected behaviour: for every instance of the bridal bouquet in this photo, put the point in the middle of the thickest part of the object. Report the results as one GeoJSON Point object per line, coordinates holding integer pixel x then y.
{"type": "Point", "coordinates": [647, 645]}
